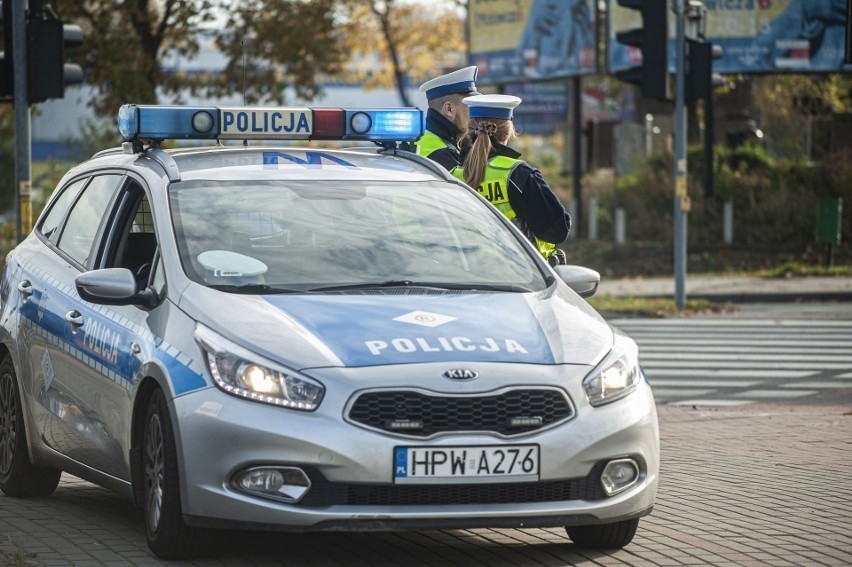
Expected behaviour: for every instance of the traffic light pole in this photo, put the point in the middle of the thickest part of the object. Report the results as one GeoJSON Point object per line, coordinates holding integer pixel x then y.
{"type": "Point", "coordinates": [681, 200]}
{"type": "Point", "coordinates": [23, 166]}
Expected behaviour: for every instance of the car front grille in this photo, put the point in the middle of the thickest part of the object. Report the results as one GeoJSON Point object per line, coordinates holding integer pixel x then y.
{"type": "Point", "coordinates": [325, 493]}
{"type": "Point", "coordinates": [420, 414]}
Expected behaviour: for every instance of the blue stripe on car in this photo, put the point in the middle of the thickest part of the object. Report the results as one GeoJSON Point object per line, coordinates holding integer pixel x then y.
{"type": "Point", "coordinates": [110, 352]}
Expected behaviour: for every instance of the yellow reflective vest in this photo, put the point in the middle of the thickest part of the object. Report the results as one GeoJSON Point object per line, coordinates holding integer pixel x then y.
{"type": "Point", "coordinates": [495, 188]}
{"type": "Point", "coordinates": [430, 142]}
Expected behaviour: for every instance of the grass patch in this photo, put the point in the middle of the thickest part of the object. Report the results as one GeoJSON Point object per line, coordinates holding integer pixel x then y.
{"type": "Point", "coordinates": [798, 269]}
{"type": "Point", "coordinates": [19, 556]}
{"type": "Point", "coordinates": [656, 306]}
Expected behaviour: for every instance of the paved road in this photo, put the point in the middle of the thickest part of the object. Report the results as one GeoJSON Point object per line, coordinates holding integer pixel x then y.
{"type": "Point", "coordinates": [760, 483]}
{"type": "Point", "coordinates": [723, 361]}
{"type": "Point", "coordinates": [740, 488]}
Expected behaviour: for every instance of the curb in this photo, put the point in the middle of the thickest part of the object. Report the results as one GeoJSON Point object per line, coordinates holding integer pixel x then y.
{"type": "Point", "coordinates": [767, 297]}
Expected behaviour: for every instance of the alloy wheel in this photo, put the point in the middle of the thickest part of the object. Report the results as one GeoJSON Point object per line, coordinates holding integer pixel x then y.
{"type": "Point", "coordinates": [8, 423]}
{"type": "Point", "coordinates": [154, 470]}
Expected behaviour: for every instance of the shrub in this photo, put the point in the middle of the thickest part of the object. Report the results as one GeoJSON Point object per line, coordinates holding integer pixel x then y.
{"type": "Point", "coordinates": [774, 201]}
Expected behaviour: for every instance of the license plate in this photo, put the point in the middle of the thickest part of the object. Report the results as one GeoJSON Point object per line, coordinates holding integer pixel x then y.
{"type": "Point", "coordinates": [445, 465]}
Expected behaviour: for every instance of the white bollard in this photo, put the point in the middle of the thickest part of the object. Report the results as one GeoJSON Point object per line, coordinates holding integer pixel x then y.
{"type": "Point", "coordinates": [620, 227]}
{"type": "Point", "coordinates": [575, 226]}
{"type": "Point", "coordinates": [728, 222]}
{"type": "Point", "coordinates": [593, 219]}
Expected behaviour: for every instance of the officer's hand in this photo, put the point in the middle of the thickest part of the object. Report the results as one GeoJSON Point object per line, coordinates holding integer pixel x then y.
{"type": "Point", "coordinates": [558, 258]}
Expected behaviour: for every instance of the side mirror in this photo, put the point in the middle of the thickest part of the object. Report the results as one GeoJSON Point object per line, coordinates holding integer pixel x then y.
{"type": "Point", "coordinates": [112, 286]}
{"type": "Point", "coordinates": [582, 280]}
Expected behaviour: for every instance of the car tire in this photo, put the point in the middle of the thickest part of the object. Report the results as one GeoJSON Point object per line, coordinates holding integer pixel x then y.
{"type": "Point", "coordinates": [18, 476]}
{"type": "Point", "coordinates": [169, 537]}
{"type": "Point", "coordinates": [603, 536]}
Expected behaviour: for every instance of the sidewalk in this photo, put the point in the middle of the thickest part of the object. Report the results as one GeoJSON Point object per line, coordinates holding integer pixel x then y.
{"type": "Point", "coordinates": [735, 289]}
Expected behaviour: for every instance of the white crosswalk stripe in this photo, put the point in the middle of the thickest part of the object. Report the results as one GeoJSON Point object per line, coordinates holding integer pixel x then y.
{"type": "Point", "coordinates": [725, 361]}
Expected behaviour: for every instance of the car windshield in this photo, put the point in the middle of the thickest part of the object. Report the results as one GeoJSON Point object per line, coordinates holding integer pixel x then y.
{"type": "Point", "coordinates": [285, 236]}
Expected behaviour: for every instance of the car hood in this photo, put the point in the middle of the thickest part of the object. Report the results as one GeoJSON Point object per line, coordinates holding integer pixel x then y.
{"type": "Point", "coordinates": [385, 327]}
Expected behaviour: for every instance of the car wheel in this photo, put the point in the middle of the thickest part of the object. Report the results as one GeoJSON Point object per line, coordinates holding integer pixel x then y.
{"type": "Point", "coordinates": [168, 536]}
{"type": "Point", "coordinates": [18, 477]}
{"type": "Point", "coordinates": [604, 536]}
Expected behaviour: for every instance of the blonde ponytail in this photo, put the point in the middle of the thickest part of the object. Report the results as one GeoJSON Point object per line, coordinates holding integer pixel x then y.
{"type": "Point", "coordinates": [482, 133]}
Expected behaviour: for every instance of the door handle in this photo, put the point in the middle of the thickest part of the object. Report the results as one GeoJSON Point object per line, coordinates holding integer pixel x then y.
{"type": "Point", "coordinates": [26, 288]}
{"type": "Point", "coordinates": [75, 319]}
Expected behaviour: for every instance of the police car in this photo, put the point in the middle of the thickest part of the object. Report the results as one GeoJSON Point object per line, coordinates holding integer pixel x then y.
{"type": "Point", "coordinates": [300, 338]}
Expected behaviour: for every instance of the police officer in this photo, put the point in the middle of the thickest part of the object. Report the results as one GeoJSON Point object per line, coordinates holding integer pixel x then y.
{"type": "Point", "coordinates": [516, 188]}
{"type": "Point", "coordinates": [447, 117]}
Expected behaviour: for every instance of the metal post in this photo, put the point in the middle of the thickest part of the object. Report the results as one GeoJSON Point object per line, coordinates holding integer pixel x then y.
{"type": "Point", "coordinates": [23, 166]}
{"type": "Point", "coordinates": [577, 102]}
{"type": "Point", "coordinates": [681, 200]}
{"type": "Point", "coordinates": [709, 142]}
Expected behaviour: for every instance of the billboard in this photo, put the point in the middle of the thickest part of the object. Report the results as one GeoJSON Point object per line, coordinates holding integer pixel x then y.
{"type": "Point", "coordinates": [757, 36]}
{"type": "Point", "coordinates": [544, 110]}
{"type": "Point", "coordinates": [518, 40]}
{"type": "Point", "coordinates": [546, 105]}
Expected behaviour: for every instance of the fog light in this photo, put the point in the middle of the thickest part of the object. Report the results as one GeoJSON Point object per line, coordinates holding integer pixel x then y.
{"type": "Point", "coordinates": [619, 475]}
{"type": "Point", "coordinates": [287, 484]}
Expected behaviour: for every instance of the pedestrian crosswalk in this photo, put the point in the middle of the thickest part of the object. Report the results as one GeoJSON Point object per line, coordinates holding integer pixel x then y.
{"type": "Point", "coordinates": [727, 361]}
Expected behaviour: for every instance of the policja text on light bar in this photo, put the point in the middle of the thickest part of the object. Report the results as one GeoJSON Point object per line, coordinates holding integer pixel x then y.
{"type": "Point", "coordinates": [154, 122]}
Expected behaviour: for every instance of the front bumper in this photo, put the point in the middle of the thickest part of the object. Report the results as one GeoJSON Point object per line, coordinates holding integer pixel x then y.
{"type": "Point", "coordinates": [218, 435]}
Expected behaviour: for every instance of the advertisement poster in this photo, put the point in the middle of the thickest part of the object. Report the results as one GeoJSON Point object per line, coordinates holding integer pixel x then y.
{"type": "Point", "coordinates": [520, 40]}
{"type": "Point", "coordinates": [546, 106]}
{"type": "Point", "coordinates": [544, 109]}
{"type": "Point", "coordinates": [757, 36]}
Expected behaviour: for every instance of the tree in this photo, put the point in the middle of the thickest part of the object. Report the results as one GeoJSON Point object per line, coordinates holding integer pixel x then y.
{"type": "Point", "coordinates": [125, 41]}
{"type": "Point", "coordinates": [411, 40]}
{"type": "Point", "coordinates": [129, 43]}
{"type": "Point", "coordinates": [284, 43]}
{"type": "Point", "coordinates": [799, 115]}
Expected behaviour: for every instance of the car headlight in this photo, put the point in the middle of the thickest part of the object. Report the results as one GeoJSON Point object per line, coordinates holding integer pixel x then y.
{"type": "Point", "coordinates": [612, 380]}
{"type": "Point", "coordinates": [245, 374]}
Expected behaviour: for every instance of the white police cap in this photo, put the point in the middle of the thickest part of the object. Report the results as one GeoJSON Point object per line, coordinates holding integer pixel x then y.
{"type": "Point", "coordinates": [461, 82]}
{"type": "Point", "coordinates": [492, 106]}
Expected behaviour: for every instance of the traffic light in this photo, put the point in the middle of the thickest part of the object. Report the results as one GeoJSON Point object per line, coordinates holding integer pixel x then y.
{"type": "Point", "coordinates": [7, 78]}
{"type": "Point", "coordinates": [47, 39]}
{"type": "Point", "coordinates": [652, 40]}
{"type": "Point", "coordinates": [700, 78]}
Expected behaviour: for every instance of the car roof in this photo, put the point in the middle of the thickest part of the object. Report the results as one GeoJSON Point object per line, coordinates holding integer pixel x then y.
{"type": "Point", "coordinates": [282, 162]}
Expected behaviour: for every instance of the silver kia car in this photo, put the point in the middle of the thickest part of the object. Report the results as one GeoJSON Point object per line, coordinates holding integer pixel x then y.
{"type": "Point", "coordinates": [305, 337]}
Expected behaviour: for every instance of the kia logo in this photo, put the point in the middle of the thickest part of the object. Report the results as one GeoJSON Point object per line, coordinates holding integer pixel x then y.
{"type": "Point", "coordinates": [460, 374]}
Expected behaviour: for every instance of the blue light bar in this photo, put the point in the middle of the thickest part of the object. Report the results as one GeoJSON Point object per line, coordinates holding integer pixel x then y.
{"type": "Point", "coordinates": [385, 124]}
{"type": "Point", "coordinates": [148, 122]}
{"type": "Point", "coordinates": [168, 122]}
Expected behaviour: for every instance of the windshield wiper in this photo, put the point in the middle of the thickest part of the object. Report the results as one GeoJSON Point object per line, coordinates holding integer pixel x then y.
{"type": "Point", "coordinates": [509, 288]}
{"type": "Point", "coordinates": [254, 289]}
{"type": "Point", "coordinates": [373, 285]}
{"type": "Point", "coordinates": [422, 285]}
